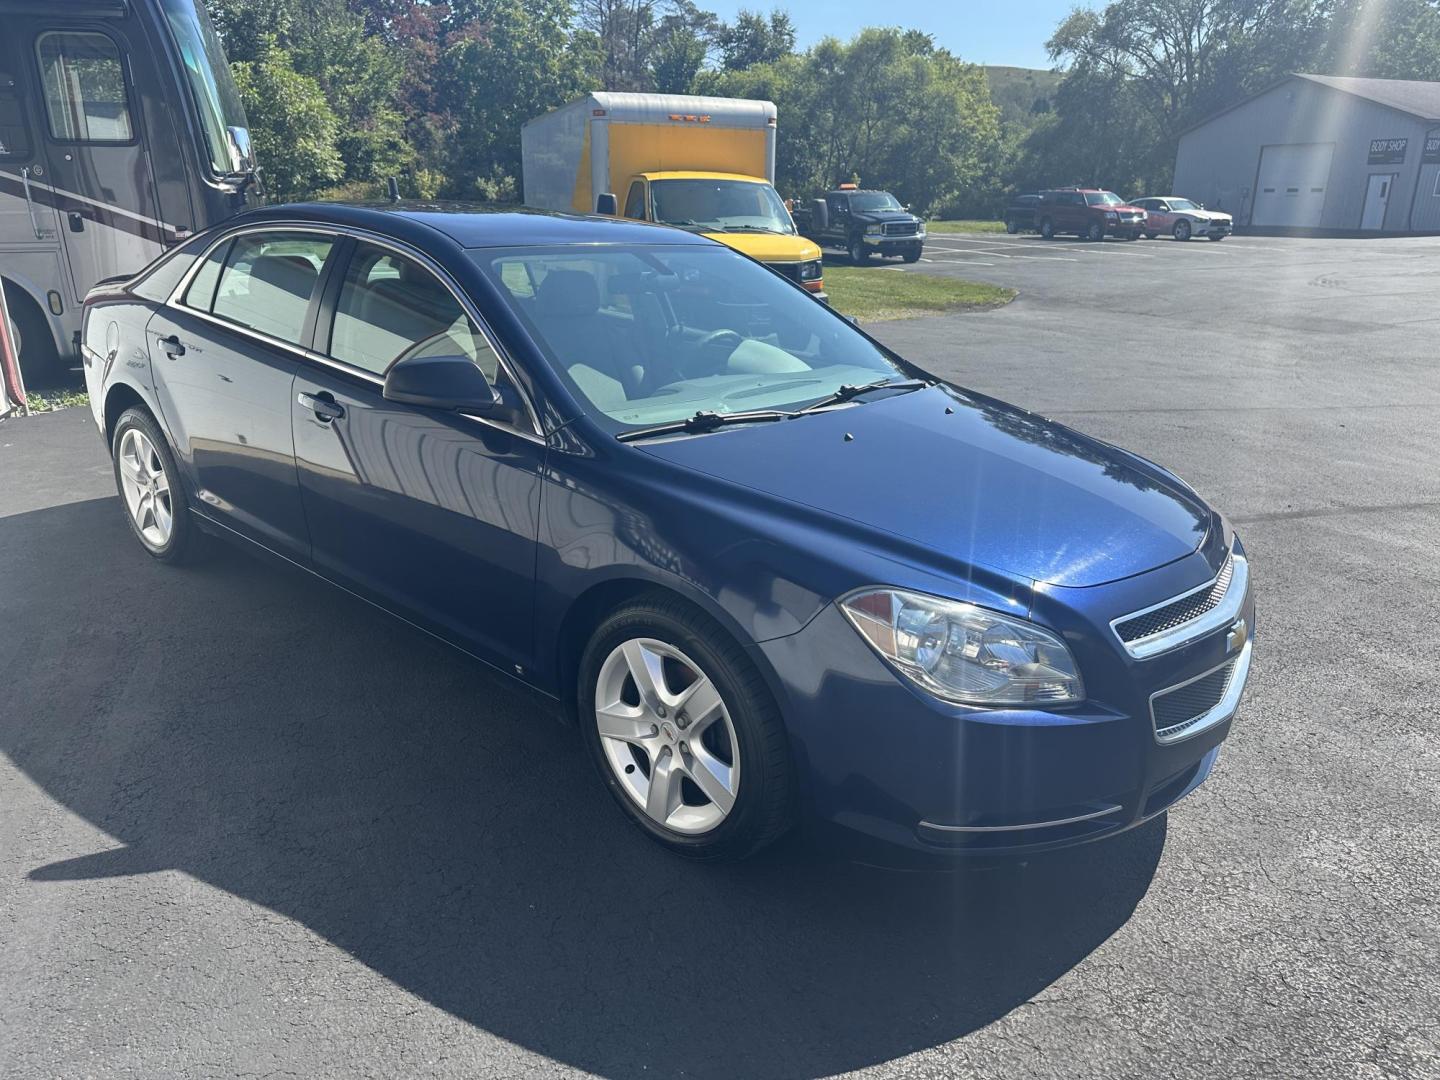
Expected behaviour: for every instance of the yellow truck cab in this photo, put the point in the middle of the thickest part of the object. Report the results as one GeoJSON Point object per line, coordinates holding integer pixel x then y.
{"type": "Point", "coordinates": [698, 163]}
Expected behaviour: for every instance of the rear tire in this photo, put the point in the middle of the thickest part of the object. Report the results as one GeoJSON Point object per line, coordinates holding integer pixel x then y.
{"type": "Point", "coordinates": [677, 648]}
{"type": "Point", "coordinates": [151, 493]}
{"type": "Point", "coordinates": [34, 345]}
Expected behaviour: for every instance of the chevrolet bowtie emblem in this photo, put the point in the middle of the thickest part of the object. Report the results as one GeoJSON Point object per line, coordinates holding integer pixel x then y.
{"type": "Point", "coordinates": [1239, 634]}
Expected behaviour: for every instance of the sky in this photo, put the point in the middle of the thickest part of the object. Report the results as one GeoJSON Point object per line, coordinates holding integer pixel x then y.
{"type": "Point", "coordinates": [982, 31]}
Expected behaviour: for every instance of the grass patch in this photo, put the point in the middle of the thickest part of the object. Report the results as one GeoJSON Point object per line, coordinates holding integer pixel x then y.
{"type": "Point", "coordinates": [53, 400]}
{"type": "Point", "coordinates": [970, 225]}
{"type": "Point", "coordinates": [873, 294]}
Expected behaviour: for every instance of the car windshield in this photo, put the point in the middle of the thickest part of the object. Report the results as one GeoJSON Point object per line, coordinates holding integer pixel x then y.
{"type": "Point", "coordinates": [720, 205]}
{"type": "Point", "coordinates": [1103, 198]}
{"type": "Point", "coordinates": [874, 200]}
{"type": "Point", "coordinates": [1182, 204]}
{"type": "Point", "coordinates": [649, 335]}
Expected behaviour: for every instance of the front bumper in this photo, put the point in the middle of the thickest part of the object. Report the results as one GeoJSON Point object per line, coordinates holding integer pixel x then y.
{"type": "Point", "coordinates": [1125, 226]}
{"type": "Point", "coordinates": [894, 243]}
{"type": "Point", "coordinates": [1214, 228]}
{"type": "Point", "coordinates": [888, 763]}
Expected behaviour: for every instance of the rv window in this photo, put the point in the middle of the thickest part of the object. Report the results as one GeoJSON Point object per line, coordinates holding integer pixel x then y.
{"type": "Point", "coordinates": [84, 88]}
{"type": "Point", "coordinates": [14, 138]}
{"type": "Point", "coordinates": [267, 282]}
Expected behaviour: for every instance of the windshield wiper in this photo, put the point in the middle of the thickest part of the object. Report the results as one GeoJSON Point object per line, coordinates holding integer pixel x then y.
{"type": "Point", "coordinates": [706, 420]}
{"type": "Point", "coordinates": [749, 228]}
{"type": "Point", "coordinates": [847, 392]}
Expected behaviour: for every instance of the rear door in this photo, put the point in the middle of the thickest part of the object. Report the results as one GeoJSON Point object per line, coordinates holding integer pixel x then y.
{"type": "Point", "coordinates": [430, 513]}
{"type": "Point", "coordinates": [98, 171]}
{"type": "Point", "coordinates": [224, 353]}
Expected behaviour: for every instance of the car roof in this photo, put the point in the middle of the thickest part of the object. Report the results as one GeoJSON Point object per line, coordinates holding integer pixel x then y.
{"type": "Point", "coordinates": [693, 174]}
{"type": "Point", "coordinates": [472, 226]}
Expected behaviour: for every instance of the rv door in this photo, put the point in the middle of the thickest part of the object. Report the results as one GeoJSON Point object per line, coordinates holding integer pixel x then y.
{"type": "Point", "coordinates": [26, 222]}
{"type": "Point", "coordinates": [98, 174]}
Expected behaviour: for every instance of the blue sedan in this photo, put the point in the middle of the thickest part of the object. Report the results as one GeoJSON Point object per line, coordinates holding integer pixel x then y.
{"type": "Point", "coordinates": [771, 571]}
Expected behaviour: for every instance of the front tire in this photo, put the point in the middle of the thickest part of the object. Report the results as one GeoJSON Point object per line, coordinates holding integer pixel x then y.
{"type": "Point", "coordinates": [1011, 228]}
{"type": "Point", "coordinates": [1181, 231]}
{"type": "Point", "coordinates": [1095, 233]}
{"type": "Point", "coordinates": [150, 489]}
{"type": "Point", "coordinates": [684, 732]}
{"type": "Point", "coordinates": [1216, 238]}
{"type": "Point", "coordinates": [40, 363]}
{"type": "Point", "coordinates": [1047, 229]}
{"type": "Point", "coordinates": [859, 254]}
{"type": "Point", "coordinates": [912, 254]}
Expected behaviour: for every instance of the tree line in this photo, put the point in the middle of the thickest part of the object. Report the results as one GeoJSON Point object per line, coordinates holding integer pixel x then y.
{"type": "Point", "coordinates": [344, 94]}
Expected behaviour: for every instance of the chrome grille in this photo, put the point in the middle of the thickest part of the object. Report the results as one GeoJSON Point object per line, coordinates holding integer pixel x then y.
{"type": "Point", "coordinates": [1177, 612]}
{"type": "Point", "coordinates": [901, 228]}
{"type": "Point", "coordinates": [1175, 710]}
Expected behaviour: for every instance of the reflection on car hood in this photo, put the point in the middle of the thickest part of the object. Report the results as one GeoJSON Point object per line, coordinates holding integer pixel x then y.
{"type": "Point", "coordinates": [987, 483]}
{"type": "Point", "coordinates": [1207, 215]}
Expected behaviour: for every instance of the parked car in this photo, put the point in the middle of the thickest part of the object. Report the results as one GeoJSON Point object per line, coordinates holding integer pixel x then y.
{"type": "Point", "coordinates": [771, 570]}
{"type": "Point", "coordinates": [1020, 214]}
{"type": "Point", "coordinates": [1089, 213]}
{"type": "Point", "coordinates": [1183, 218]}
{"type": "Point", "coordinates": [863, 223]}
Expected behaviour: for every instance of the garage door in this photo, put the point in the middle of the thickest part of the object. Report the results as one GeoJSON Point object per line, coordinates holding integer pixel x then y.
{"type": "Point", "coordinates": [1291, 190]}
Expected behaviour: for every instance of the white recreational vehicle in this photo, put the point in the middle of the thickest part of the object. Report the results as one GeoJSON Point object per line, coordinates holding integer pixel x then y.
{"type": "Point", "coordinates": [121, 133]}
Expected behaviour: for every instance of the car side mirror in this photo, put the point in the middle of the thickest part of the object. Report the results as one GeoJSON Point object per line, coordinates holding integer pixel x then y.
{"type": "Point", "coordinates": [606, 203]}
{"type": "Point", "coordinates": [442, 382]}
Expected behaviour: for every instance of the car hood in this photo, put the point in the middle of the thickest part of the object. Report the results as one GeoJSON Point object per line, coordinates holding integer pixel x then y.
{"type": "Point", "coordinates": [878, 216]}
{"type": "Point", "coordinates": [985, 483]}
{"type": "Point", "coordinates": [770, 247]}
{"type": "Point", "coordinates": [1206, 215]}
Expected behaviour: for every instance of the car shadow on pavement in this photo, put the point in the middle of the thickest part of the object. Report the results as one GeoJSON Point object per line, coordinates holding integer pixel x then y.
{"type": "Point", "coordinates": [277, 739]}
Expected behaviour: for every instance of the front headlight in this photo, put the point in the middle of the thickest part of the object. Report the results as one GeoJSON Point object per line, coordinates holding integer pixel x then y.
{"type": "Point", "coordinates": [1112, 215]}
{"type": "Point", "coordinates": [965, 653]}
{"type": "Point", "coordinates": [874, 230]}
{"type": "Point", "coordinates": [810, 271]}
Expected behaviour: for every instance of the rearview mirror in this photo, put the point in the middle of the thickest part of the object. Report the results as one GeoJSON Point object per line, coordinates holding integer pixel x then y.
{"type": "Point", "coordinates": [605, 203]}
{"type": "Point", "coordinates": [442, 382]}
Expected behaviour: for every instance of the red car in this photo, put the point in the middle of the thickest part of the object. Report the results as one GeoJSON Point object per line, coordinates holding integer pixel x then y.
{"type": "Point", "coordinates": [1089, 213]}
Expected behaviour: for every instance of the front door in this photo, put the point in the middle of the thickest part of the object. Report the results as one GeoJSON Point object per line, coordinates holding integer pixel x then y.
{"type": "Point", "coordinates": [430, 513]}
{"type": "Point", "coordinates": [98, 172]}
{"type": "Point", "coordinates": [224, 361]}
{"type": "Point", "coordinates": [1377, 198]}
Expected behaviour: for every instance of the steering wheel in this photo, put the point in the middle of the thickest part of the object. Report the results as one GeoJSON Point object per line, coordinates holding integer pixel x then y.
{"type": "Point", "coordinates": [711, 352]}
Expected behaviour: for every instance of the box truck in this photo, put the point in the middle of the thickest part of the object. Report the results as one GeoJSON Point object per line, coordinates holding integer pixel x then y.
{"type": "Point", "coordinates": [700, 163]}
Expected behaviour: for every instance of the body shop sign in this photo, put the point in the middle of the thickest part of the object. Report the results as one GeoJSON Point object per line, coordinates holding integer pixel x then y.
{"type": "Point", "coordinates": [1387, 151]}
{"type": "Point", "coordinates": [1431, 156]}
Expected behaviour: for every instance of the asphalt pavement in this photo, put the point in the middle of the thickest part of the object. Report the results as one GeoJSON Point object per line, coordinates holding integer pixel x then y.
{"type": "Point", "coordinates": [250, 827]}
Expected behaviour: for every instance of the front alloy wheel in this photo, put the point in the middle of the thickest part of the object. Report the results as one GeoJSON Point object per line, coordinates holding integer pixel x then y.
{"type": "Point", "coordinates": [859, 254]}
{"type": "Point", "coordinates": [684, 730]}
{"type": "Point", "coordinates": [667, 736]}
{"type": "Point", "coordinates": [1096, 232]}
{"type": "Point", "coordinates": [1182, 230]}
{"type": "Point", "coordinates": [1047, 229]}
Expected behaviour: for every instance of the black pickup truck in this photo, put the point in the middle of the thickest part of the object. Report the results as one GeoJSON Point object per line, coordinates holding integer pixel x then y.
{"type": "Point", "coordinates": [863, 223]}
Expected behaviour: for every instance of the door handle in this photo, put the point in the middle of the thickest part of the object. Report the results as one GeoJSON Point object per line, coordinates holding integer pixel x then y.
{"type": "Point", "coordinates": [172, 346]}
{"type": "Point", "coordinates": [322, 405]}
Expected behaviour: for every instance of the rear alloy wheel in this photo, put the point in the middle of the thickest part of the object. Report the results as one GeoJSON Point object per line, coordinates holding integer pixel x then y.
{"type": "Point", "coordinates": [1047, 229]}
{"type": "Point", "coordinates": [1095, 233]}
{"type": "Point", "coordinates": [859, 254]}
{"type": "Point", "coordinates": [149, 486]}
{"type": "Point", "coordinates": [1182, 230]}
{"type": "Point", "coordinates": [684, 732]}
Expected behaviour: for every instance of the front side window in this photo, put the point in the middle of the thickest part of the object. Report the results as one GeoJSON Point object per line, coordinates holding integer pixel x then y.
{"type": "Point", "coordinates": [720, 205]}
{"type": "Point", "coordinates": [648, 335]}
{"type": "Point", "coordinates": [216, 99]}
{"type": "Point", "coordinates": [14, 135]}
{"type": "Point", "coordinates": [263, 282]}
{"type": "Point", "coordinates": [392, 308]}
{"type": "Point", "coordinates": [635, 201]}
{"type": "Point", "coordinates": [85, 98]}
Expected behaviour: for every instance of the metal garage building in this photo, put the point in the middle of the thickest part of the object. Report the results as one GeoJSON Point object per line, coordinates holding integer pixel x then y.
{"type": "Point", "coordinates": [1321, 152]}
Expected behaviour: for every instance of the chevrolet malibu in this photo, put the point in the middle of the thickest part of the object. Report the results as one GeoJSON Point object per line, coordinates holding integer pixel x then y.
{"type": "Point", "coordinates": [771, 571]}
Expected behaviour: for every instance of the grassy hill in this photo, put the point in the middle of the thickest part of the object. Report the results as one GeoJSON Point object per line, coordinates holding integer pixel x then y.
{"type": "Point", "coordinates": [1018, 91]}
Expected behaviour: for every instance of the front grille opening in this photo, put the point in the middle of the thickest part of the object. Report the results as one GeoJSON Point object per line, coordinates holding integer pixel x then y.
{"type": "Point", "coordinates": [1179, 612]}
{"type": "Point", "coordinates": [1177, 709]}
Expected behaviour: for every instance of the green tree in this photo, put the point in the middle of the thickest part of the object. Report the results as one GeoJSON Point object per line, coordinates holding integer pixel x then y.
{"type": "Point", "coordinates": [754, 39]}
{"type": "Point", "coordinates": [293, 129]}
